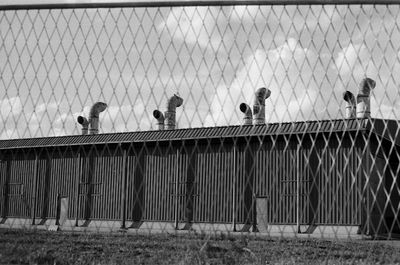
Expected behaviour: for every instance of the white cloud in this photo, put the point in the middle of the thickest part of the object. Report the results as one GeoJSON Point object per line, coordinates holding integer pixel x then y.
{"type": "Point", "coordinates": [294, 94]}
{"type": "Point", "coordinates": [384, 111]}
{"type": "Point", "coordinates": [46, 107]}
{"type": "Point", "coordinates": [350, 60]}
{"type": "Point", "coordinates": [192, 25]}
{"type": "Point", "coordinates": [356, 61]}
{"type": "Point", "coordinates": [10, 107]}
{"type": "Point", "coordinates": [296, 51]}
{"type": "Point", "coordinates": [8, 134]}
{"type": "Point", "coordinates": [113, 119]}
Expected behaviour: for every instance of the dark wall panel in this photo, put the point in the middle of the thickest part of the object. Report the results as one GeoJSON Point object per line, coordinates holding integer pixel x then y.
{"type": "Point", "coordinates": [20, 185]}
{"type": "Point", "coordinates": [330, 180]}
{"type": "Point", "coordinates": [134, 185]}
{"type": "Point", "coordinates": [212, 181]}
{"type": "Point", "coordinates": [42, 186]}
{"type": "Point", "coordinates": [160, 172]}
{"type": "Point", "coordinates": [100, 184]}
{"type": "Point", "coordinates": [275, 179]}
{"type": "Point", "coordinates": [106, 185]}
{"type": "Point", "coordinates": [3, 186]}
{"type": "Point", "coordinates": [339, 176]}
{"type": "Point", "coordinates": [63, 181]}
{"type": "Point", "coordinates": [215, 177]}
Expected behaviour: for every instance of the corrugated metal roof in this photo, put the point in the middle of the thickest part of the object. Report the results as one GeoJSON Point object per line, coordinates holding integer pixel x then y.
{"type": "Point", "coordinates": [325, 126]}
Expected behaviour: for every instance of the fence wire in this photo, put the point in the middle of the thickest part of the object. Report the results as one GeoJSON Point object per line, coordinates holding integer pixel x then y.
{"type": "Point", "coordinates": [58, 62]}
{"type": "Point", "coordinates": [218, 118]}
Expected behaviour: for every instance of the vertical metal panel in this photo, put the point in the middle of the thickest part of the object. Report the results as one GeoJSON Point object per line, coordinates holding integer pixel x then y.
{"type": "Point", "coordinates": [190, 189]}
{"type": "Point", "coordinates": [83, 202]}
{"type": "Point", "coordinates": [106, 184]}
{"type": "Point", "coordinates": [21, 170]}
{"type": "Point", "coordinates": [62, 180]}
{"type": "Point", "coordinates": [392, 185]}
{"type": "Point", "coordinates": [153, 170]}
{"type": "Point", "coordinates": [330, 181]}
{"type": "Point", "coordinates": [100, 183]}
{"type": "Point", "coordinates": [244, 181]}
{"type": "Point", "coordinates": [159, 176]}
{"type": "Point", "coordinates": [3, 187]}
{"type": "Point", "coordinates": [339, 182]}
{"type": "Point", "coordinates": [78, 176]}
{"type": "Point", "coordinates": [276, 177]}
{"type": "Point", "coordinates": [378, 193]}
{"type": "Point", "coordinates": [123, 189]}
{"type": "Point", "coordinates": [38, 182]}
{"type": "Point", "coordinates": [215, 178]}
{"type": "Point", "coordinates": [305, 181]}
{"type": "Point", "coordinates": [186, 177]}
{"type": "Point", "coordinates": [134, 204]}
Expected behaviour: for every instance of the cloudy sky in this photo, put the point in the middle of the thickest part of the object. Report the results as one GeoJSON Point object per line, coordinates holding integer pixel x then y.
{"type": "Point", "coordinates": [55, 64]}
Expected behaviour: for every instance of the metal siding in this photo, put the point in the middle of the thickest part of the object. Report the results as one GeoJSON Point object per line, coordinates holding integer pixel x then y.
{"type": "Point", "coordinates": [219, 169]}
{"type": "Point", "coordinates": [100, 184]}
{"type": "Point", "coordinates": [83, 209]}
{"type": "Point", "coordinates": [244, 182]}
{"type": "Point", "coordinates": [306, 182]}
{"type": "Point", "coordinates": [62, 181]}
{"type": "Point", "coordinates": [3, 181]}
{"type": "Point", "coordinates": [160, 174]}
{"type": "Point", "coordinates": [106, 184]}
{"type": "Point", "coordinates": [132, 191]}
{"type": "Point", "coordinates": [215, 178]}
{"type": "Point", "coordinates": [83, 202]}
{"type": "Point", "coordinates": [339, 187]}
{"type": "Point", "coordinates": [22, 167]}
{"type": "Point", "coordinates": [42, 187]}
{"type": "Point", "coordinates": [339, 183]}
{"type": "Point", "coordinates": [283, 203]}
{"type": "Point", "coordinates": [182, 177]}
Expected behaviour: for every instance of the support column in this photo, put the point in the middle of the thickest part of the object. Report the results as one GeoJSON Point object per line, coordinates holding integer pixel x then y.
{"type": "Point", "coordinates": [123, 192]}
{"type": "Point", "coordinates": [35, 181]}
{"type": "Point", "coordinates": [78, 173]}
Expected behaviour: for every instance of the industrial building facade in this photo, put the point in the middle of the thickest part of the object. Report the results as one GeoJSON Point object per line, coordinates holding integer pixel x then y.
{"type": "Point", "coordinates": [247, 178]}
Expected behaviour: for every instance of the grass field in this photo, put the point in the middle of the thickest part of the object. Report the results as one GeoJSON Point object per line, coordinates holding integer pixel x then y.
{"type": "Point", "coordinates": [42, 247]}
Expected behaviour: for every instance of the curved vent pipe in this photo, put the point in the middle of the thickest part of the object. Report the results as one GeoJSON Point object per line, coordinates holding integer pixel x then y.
{"type": "Point", "coordinates": [363, 98]}
{"type": "Point", "coordinates": [350, 112]}
{"type": "Point", "coordinates": [168, 120]}
{"type": "Point", "coordinates": [85, 124]}
{"type": "Point", "coordinates": [160, 119]}
{"type": "Point", "coordinates": [248, 114]}
{"type": "Point", "coordinates": [259, 105]}
{"type": "Point", "coordinates": [94, 117]}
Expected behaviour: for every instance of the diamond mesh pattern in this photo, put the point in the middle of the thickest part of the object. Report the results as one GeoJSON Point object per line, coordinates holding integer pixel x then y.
{"type": "Point", "coordinates": [57, 63]}
{"type": "Point", "coordinates": [310, 171]}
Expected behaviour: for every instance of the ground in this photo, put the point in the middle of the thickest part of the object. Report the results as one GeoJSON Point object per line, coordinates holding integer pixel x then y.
{"type": "Point", "coordinates": [42, 247]}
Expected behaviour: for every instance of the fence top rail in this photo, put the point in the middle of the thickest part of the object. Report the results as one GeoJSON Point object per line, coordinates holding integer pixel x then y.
{"type": "Point", "coordinates": [163, 3]}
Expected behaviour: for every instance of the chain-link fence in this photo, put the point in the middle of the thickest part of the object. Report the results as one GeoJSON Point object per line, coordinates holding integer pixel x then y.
{"type": "Point", "coordinates": [277, 119]}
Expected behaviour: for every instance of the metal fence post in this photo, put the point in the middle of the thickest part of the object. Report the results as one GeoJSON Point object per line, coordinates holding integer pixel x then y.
{"type": "Point", "coordinates": [176, 191]}
{"type": "Point", "coordinates": [123, 186]}
{"type": "Point", "coordinates": [298, 188]}
{"type": "Point", "coordinates": [234, 189]}
{"type": "Point", "coordinates": [35, 179]}
{"type": "Point", "coordinates": [77, 179]}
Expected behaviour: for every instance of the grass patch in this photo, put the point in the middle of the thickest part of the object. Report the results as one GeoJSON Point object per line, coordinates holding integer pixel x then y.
{"type": "Point", "coordinates": [42, 247]}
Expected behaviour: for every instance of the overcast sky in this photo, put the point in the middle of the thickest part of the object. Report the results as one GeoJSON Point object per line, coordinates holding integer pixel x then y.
{"type": "Point", "coordinates": [56, 64]}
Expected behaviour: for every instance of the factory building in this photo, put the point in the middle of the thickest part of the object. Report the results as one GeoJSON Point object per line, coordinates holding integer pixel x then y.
{"type": "Point", "coordinates": [297, 177]}
{"type": "Point", "coordinates": [247, 178]}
